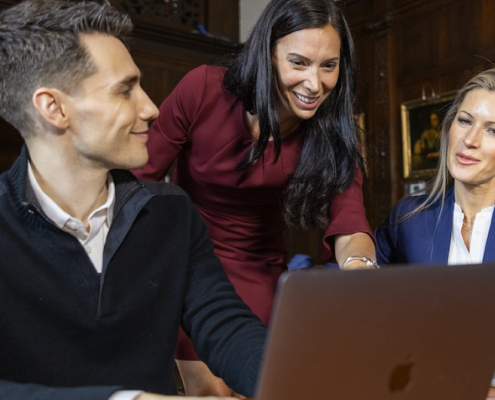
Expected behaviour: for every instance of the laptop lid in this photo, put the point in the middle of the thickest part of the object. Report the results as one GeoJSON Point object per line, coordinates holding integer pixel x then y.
{"type": "Point", "coordinates": [409, 333]}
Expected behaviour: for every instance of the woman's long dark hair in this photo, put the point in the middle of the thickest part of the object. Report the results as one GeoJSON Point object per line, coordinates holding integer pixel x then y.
{"type": "Point", "coordinates": [330, 152]}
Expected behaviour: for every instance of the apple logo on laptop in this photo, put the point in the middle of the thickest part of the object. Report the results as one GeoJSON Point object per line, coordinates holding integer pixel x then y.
{"type": "Point", "coordinates": [400, 376]}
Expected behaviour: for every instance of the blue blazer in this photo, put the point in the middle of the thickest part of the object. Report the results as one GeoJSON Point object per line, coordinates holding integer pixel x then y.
{"type": "Point", "coordinates": [424, 238]}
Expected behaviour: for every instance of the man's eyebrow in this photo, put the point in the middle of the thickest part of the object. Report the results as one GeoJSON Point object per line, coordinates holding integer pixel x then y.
{"type": "Point", "coordinates": [128, 81]}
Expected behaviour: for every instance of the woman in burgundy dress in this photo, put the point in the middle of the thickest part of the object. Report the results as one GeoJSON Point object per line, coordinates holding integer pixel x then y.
{"type": "Point", "coordinates": [266, 141]}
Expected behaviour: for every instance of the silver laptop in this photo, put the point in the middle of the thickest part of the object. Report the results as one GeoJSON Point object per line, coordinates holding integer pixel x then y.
{"type": "Point", "coordinates": [408, 333]}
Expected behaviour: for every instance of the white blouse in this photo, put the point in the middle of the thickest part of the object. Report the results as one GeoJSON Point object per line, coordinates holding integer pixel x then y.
{"type": "Point", "coordinates": [458, 253]}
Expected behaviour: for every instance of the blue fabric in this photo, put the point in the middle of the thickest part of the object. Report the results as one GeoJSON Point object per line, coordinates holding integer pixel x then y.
{"type": "Point", "coordinates": [423, 238]}
{"type": "Point", "coordinates": [300, 261]}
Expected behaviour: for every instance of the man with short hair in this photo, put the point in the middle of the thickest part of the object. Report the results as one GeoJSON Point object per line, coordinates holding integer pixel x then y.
{"type": "Point", "coordinates": [98, 269]}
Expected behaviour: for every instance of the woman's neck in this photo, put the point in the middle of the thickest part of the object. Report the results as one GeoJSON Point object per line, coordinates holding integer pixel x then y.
{"type": "Point", "coordinates": [472, 199]}
{"type": "Point", "coordinates": [287, 125]}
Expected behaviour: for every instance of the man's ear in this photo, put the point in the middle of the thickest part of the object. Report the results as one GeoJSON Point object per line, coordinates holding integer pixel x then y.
{"type": "Point", "coordinates": [50, 103]}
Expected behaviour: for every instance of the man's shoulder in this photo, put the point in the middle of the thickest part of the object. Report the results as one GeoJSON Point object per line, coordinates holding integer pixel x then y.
{"type": "Point", "coordinates": [129, 188]}
{"type": "Point", "coordinates": [3, 186]}
{"type": "Point", "coordinates": [5, 182]}
{"type": "Point", "coordinates": [163, 188]}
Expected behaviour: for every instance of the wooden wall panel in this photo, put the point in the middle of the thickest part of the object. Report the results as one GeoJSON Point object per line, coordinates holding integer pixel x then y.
{"type": "Point", "coordinates": [374, 46]}
{"type": "Point", "coordinates": [10, 140]}
{"type": "Point", "coordinates": [487, 27]}
{"type": "Point", "coordinates": [223, 18]}
{"type": "Point", "coordinates": [11, 143]}
{"type": "Point", "coordinates": [417, 46]}
{"type": "Point", "coordinates": [457, 40]}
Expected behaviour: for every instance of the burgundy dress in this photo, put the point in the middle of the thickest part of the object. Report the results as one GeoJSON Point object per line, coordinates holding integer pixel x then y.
{"type": "Point", "coordinates": [203, 127]}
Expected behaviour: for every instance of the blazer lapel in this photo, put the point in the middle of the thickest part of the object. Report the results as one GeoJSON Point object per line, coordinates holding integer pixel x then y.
{"type": "Point", "coordinates": [443, 233]}
{"type": "Point", "coordinates": [489, 248]}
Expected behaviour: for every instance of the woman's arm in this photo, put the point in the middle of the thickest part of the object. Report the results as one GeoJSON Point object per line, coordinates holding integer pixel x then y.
{"type": "Point", "coordinates": [348, 225]}
{"type": "Point", "coordinates": [356, 244]}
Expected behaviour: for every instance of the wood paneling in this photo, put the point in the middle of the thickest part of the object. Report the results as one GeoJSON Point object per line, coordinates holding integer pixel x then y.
{"type": "Point", "coordinates": [456, 41]}
{"type": "Point", "coordinates": [223, 18]}
{"type": "Point", "coordinates": [487, 27]}
{"type": "Point", "coordinates": [11, 143]}
{"type": "Point", "coordinates": [421, 54]}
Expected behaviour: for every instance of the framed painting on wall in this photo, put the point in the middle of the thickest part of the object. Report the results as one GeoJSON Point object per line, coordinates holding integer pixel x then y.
{"type": "Point", "coordinates": [421, 123]}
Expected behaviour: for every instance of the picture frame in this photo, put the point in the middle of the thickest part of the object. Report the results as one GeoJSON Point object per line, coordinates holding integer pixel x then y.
{"type": "Point", "coordinates": [421, 124]}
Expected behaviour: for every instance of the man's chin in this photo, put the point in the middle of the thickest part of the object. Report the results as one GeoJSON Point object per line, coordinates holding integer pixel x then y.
{"type": "Point", "coordinates": [131, 166]}
{"type": "Point", "coordinates": [138, 162]}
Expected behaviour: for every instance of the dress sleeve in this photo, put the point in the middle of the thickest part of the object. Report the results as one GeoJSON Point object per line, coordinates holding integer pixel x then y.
{"type": "Point", "coordinates": [347, 215]}
{"type": "Point", "coordinates": [169, 132]}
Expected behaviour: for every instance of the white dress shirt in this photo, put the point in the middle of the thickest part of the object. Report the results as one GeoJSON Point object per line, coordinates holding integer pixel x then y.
{"type": "Point", "coordinates": [93, 241]}
{"type": "Point", "coordinates": [458, 253]}
{"type": "Point", "coordinates": [99, 220]}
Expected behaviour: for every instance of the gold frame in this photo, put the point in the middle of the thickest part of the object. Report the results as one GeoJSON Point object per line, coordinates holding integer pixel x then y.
{"type": "Point", "coordinates": [415, 115]}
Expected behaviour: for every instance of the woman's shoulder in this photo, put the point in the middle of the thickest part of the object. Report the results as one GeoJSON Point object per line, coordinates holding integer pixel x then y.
{"type": "Point", "coordinates": [205, 73]}
{"type": "Point", "coordinates": [405, 206]}
{"type": "Point", "coordinates": [409, 204]}
{"type": "Point", "coordinates": [201, 85]}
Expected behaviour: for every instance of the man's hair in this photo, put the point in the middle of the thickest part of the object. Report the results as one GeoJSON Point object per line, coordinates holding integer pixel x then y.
{"type": "Point", "coordinates": [40, 46]}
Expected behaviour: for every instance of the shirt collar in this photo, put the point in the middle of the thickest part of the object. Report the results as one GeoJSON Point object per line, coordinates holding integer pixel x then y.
{"type": "Point", "coordinates": [59, 216]}
{"type": "Point", "coordinates": [488, 211]}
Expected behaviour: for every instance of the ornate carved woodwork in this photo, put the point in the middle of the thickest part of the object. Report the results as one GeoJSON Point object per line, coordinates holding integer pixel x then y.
{"type": "Point", "coordinates": [180, 14]}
